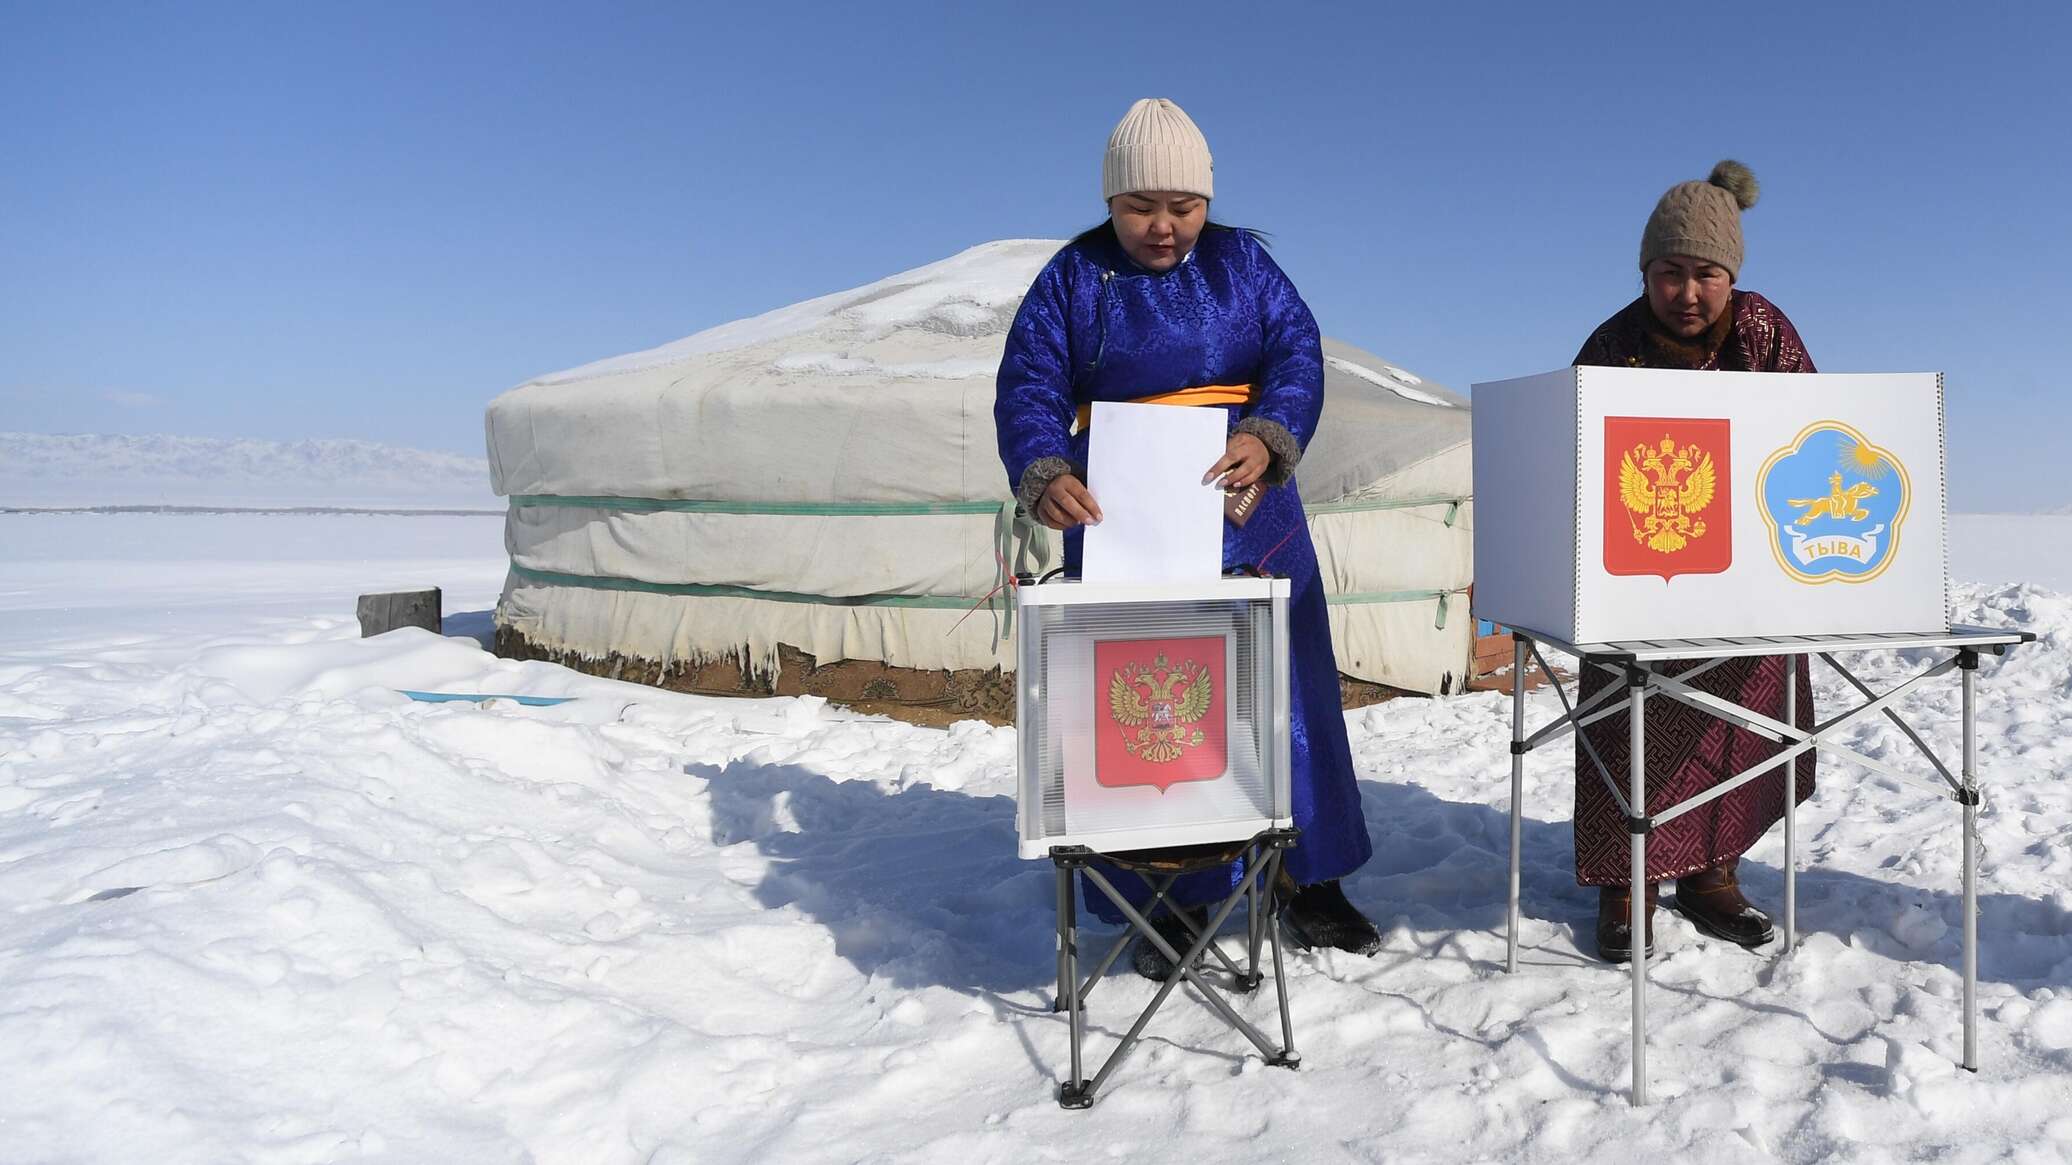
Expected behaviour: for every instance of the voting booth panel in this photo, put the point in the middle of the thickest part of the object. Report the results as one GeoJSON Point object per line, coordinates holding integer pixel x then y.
{"type": "Point", "coordinates": [1653, 524]}
{"type": "Point", "coordinates": [1618, 504]}
{"type": "Point", "coordinates": [1151, 716]}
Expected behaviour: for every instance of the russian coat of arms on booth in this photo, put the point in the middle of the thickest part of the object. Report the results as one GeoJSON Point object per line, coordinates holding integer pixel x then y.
{"type": "Point", "coordinates": [1162, 711]}
{"type": "Point", "coordinates": [1834, 503]}
{"type": "Point", "coordinates": [1668, 496]}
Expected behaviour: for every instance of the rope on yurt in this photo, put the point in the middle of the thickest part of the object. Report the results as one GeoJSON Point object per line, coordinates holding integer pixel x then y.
{"type": "Point", "coordinates": [1362, 505]}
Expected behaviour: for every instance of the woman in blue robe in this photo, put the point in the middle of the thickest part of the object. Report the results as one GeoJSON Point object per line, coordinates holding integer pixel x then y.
{"type": "Point", "coordinates": [1155, 301]}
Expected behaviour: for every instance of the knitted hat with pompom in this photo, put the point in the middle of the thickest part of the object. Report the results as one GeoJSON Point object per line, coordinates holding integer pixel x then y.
{"type": "Point", "coordinates": [1702, 219]}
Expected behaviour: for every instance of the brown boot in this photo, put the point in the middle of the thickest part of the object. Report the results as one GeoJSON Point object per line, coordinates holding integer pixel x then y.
{"type": "Point", "coordinates": [1712, 900]}
{"type": "Point", "coordinates": [1615, 922]}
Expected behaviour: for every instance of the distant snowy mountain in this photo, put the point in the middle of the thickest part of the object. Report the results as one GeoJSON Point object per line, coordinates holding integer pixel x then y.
{"type": "Point", "coordinates": [42, 469]}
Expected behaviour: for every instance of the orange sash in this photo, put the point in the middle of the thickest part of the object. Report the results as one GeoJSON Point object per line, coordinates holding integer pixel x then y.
{"type": "Point", "coordinates": [1205, 394]}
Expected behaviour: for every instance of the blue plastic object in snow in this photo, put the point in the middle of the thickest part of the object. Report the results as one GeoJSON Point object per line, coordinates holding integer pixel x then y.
{"type": "Point", "coordinates": [478, 697]}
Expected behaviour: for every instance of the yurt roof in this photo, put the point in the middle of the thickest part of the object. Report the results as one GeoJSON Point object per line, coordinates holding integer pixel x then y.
{"type": "Point", "coordinates": [882, 393]}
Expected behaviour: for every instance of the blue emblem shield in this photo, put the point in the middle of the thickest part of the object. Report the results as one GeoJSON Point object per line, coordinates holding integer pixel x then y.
{"type": "Point", "coordinates": [1834, 503]}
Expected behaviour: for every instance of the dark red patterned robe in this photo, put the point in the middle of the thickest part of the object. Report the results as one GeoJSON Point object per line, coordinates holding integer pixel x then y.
{"type": "Point", "coordinates": [1689, 751]}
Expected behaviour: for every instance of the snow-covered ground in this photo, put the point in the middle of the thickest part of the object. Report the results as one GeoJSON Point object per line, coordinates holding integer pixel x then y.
{"type": "Point", "coordinates": [254, 905]}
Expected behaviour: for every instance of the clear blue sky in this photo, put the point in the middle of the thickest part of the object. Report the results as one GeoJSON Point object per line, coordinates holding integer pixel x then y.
{"type": "Point", "coordinates": [365, 220]}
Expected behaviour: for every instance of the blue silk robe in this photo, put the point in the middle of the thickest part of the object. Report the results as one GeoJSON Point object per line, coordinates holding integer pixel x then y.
{"type": "Point", "coordinates": [1097, 327]}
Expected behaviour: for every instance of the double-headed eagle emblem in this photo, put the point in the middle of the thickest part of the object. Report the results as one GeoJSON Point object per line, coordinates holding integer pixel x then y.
{"type": "Point", "coordinates": [1163, 703]}
{"type": "Point", "coordinates": [1682, 484]}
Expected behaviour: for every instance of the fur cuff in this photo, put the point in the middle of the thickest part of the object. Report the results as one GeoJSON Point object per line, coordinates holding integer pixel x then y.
{"type": "Point", "coordinates": [1279, 442]}
{"type": "Point", "coordinates": [1037, 478]}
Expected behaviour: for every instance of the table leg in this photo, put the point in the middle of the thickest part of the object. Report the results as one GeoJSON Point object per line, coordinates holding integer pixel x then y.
{"type": "Point", "coordinates": [1637, 772]}
{"type": "Point", "coordinates": [1968, 669]}
{"type": "Point", "coordinates": [1517, 793]}
{"type": "Point", "coordinates": [1790, 776]}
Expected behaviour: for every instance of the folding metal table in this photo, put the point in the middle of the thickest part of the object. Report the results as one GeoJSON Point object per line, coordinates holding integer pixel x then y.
{"type": "Point", "coordinates": [1639, 664]}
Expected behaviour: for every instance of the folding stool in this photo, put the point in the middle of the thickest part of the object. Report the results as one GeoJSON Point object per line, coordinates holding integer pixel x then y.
{"type": "Point", "coordinates": [1161, 868]}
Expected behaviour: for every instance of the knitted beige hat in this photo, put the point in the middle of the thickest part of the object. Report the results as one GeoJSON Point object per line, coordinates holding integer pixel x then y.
{"type": "Point", "coordinates": [1156, 146]}
{"type": "Point", "coordinates": [1702, 219]}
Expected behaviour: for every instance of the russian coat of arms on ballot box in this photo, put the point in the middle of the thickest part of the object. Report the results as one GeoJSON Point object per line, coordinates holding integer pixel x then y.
{"type": "Point", "coordinates": [1668, 496]}
{"type": "Point", "coordinates": [1161, 714]}
{"type": "Point", "coordinates": [1834, 503]}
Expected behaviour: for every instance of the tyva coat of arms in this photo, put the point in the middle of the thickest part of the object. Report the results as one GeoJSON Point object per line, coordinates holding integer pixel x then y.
{"type": "Point", "coordinates": [1835, 504]}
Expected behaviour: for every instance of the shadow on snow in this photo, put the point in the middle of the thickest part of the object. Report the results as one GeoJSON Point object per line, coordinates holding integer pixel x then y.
{"type": "Point", "coordinates": [921, 886]}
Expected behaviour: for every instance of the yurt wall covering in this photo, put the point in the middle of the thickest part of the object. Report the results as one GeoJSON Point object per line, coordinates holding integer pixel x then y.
{"type": "Point", "coordinates": [825, 477]}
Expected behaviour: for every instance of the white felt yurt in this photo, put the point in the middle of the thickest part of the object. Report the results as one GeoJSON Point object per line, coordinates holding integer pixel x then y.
{"type": "Point", "coordinates": [822, 482]}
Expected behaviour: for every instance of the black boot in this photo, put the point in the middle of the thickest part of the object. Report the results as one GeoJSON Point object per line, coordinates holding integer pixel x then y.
{"type": "Point", "coordinates": [1615, 922]}
{"type": "Point", "coordinates": [1319, 916]}
{"type": "Point", "coordinates": [1712, 900]}
{"type": "Point", "coordinates": [1147, 960]}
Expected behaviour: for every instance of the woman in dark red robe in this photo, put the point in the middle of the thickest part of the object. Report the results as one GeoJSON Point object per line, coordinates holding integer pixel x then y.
{"type": "Point", "coordinates": [1690, 316]}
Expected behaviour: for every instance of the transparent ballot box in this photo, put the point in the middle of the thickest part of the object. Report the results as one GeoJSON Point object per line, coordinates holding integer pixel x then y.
{"type": "Point", "coordinates": [1150, 716]}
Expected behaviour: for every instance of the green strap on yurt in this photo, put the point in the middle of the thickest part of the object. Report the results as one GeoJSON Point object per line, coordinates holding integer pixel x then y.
{"type": "Point", "coordinates": [792, 509]}
{"type": "Point", "coordinates": [1021, 545]}
{"type": "Point", "coordinates": [1358, 597]}
{"type": "Point", "coordinates": [927, 602]}
{"type": "Point", "coordinates": [723, 591]}
{"type": "Point", "coordinates": [906, 509]}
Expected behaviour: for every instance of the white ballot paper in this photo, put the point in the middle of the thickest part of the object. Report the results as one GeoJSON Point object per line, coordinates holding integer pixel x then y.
{"type": "Point", "coordinates": [1159, 523]}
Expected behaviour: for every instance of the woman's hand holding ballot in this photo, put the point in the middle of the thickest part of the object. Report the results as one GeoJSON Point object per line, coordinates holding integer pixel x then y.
{"type": "Point", "coordinates": [1066, 503]}
{"type": "Point", "coordinates": [1245, 460]}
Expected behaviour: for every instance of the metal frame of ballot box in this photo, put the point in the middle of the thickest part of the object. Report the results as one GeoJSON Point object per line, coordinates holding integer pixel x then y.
{"type": "Point", "coordinates": [1637, 665]}
{"type": "Point", "coordinates": [1061, 630]}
